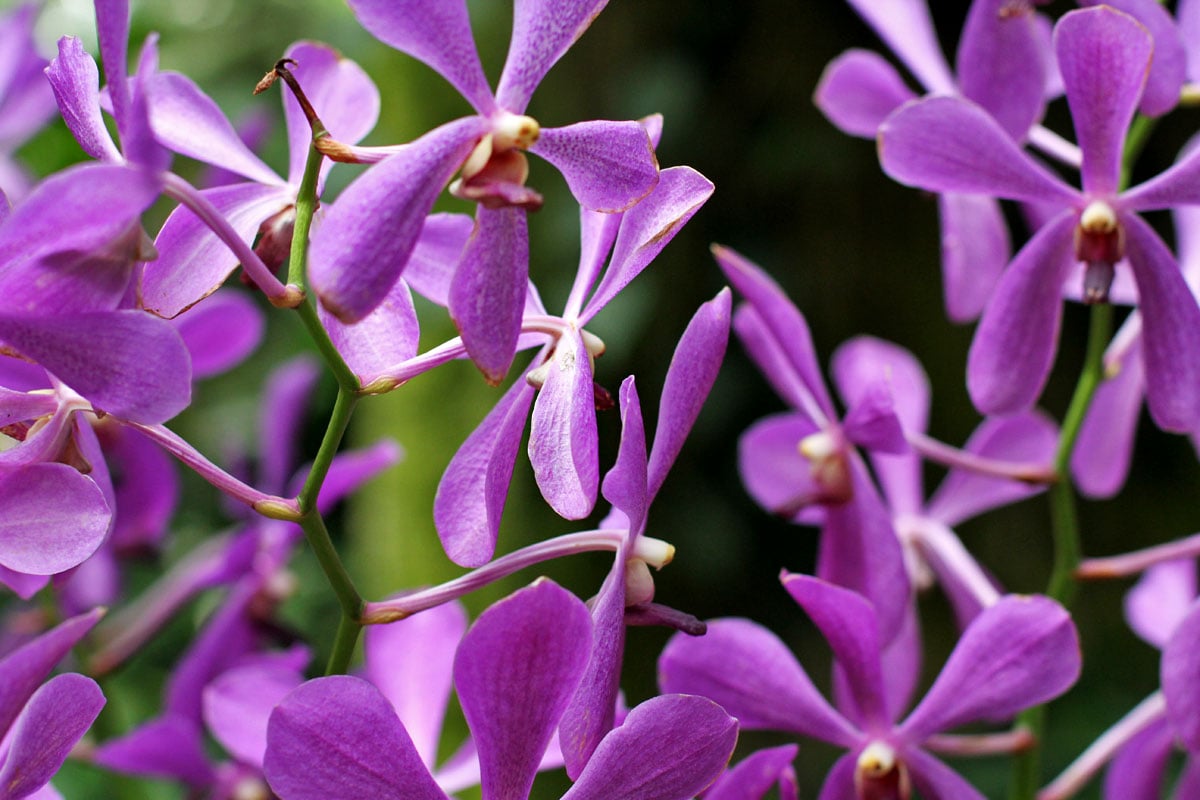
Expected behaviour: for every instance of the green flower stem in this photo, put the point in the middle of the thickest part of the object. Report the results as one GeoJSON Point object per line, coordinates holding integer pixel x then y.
{"type": "Point", "coordinates": [343, 646]}
{"type": "Point", "coordinates": [306, 206]}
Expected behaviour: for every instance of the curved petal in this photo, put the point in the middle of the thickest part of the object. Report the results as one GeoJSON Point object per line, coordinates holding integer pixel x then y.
{"type": "Point", "coordinates": [1104, 57]}
{"type": "Point", "coordinates": [668, 748]}
{"type": "Point", "coordinates": [1138, 769]}
{"type": "Point", "coordinates": [23, 670]}
{"type": "Point", "coordinates": [76, 83]}
{"type": "Point", "coordinates": [221, 332]}
{"type": "Point", "coordinates": [608, 166]}
{"type": "Point", "coordinates": [54, 720]}
{"type": "Point", "coordinates": [932, 778]}
{"type": "Point", "coordinates": [439, 249]}
{"type": "Point", "coordinates": [907, 28]}
{"type": "Point", "coordinates": [999, 64]}
{"type": "Point", "coordinates": [368, 235]}
{"type": "Point", "coordinates": [1017, 653]}
{"type": "Point", "coordinates": [858, 90]}
{"type": "Point", "coordinates": [543, 30]}
{"type": "Point", "coordinates": [1014, 345]}
{"type": "Point", "coordinates": [1160, 600]}
{"type": "Point", "coordinates": [948, 144]}
{"type": "Point", "coordinates": [1104, 449]}
{"type": "Point", "coordinates": [1180, 675]}
{"type": "Point", "coordinates": [515, 672]}
{"type": "Point", "coordinates": [383, 338]}
{"type": "Point", "coordinates": [168, 747]}
{"type": "Point", "coordinates": [839, 783]}
{"type": "Point", "coordinates": [238, 704]}
{"type": "Point", "coordinates": [1168, 68]}
{"type": "Point", "coordinates": [563, 443]}
{"type": "Point", "coordinates": [975, 251]}
{"type": "Point", "coordinates": [1170, 329]}
{"type": "Point", "coordinates": [147, 489]}
{"type": "Point", "coordinates": [54, 518]}
{"type": "Point", "coordinates": [772, 469]}
{"type": "Point", "coordinates": [338, 737]}
{"type": "Point", "coordinates": [754, 677]}
{"type": "Point", "coordinates": [754, 775]}
{"type": "Point", "coordinates": [625, 485]}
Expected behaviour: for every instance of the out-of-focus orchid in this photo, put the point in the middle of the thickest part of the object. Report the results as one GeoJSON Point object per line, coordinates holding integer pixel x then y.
{"type": "Point", "coordinates": [26, 102]}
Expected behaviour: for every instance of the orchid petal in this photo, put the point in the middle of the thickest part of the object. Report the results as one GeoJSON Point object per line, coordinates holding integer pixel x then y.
{"type": "Point", "coordinates": [872, 422]}
{"type": "Point", "coordinates": [387, 336]}
{"type": "Point", "coordinates": [1160, 600]}
{"type": "Point", "coordinates": [238, 704]}
{"type": "Point", "coordinates": [1180, 675]}
{"type": "Point", "coordinates": [147, 491]}
{"type": "Point", "coordinates": [53, 721]}
{"type": "Point", "coordinates": [932, 778]}
{"type": "Point", "coordinates": [608, 166]}
{"type": "Point", "coordinates": [437, 32]}
{"type": "Point", "coordinates": [439, 249]}
{"type": "Point", "coordinates": [975, 251]}
{"type": "Point", "coordinates": [563, 446]}
{"type": "Point", "coordinates": [858, 90]}
{"type": "Point", "coordinates": [1138, 769]}
{"type": "Point", "coordinates": [23, 670]}
{"type": "Point", "coordinates": [54, 518]}
{"type": "Point", "coordinates": [998, 65]}
{"type": "Point", "coordinates": [287, 395]}
{"type": "Point", "coordinates": [138, 140]}
{"type": "Point", "coordinates": [773, 362]}
{"type": "Point", "coordinates": [1014, 344]}
{"type": "Point", "coordinates": [112, 29]}
{"type": "Point", "coordinates": [1104, 57]}
{"type": "Point", "coordinates": [543, 30]}
{"type": "Point", "coordinates": [221, 332]}
{"type": "Point", "coordinates": [839, 782]}
{"type": "Point", "coordinates": [76, 83]}
{"type": "Point", "coordinates": [754, 775]}
{"type": "Point", "coordinates": [1104, 449]}
{"type": "Point", "coordinates": [168, 747]}
{"type": "Point", "coordinates": [907, 28]}
{"type": "Point", "coordinates": [515, 672]}
{"type": "Point", "coordinates": [625, 485]}
{"type": "Point", "coordinates": [1168, 68]}
{"type": "Point", "coordinates": [772, 469]}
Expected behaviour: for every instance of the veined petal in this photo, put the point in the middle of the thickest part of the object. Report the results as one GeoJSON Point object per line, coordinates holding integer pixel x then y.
{"type": "Point", "coordinates": [1161, 599]}
{"type": "Point", "coordinates": [858, 90]}
{"type": "Point", "coordinates": [625, 484]}
{"type": "Point", "coordinates": [975, 251]}
{"type": "Point", "coordinates": [221, 332]}
{"type": "Point", "coordinates": [1017, 653]}
{"type": "Point", "coordinates": [1104, 449]}
{"type": "Point", "coordinates": [948, 144]}
{"type": "Point", "coordinates": [1170, 329]}
{"type": "Point", "coordinates": [439, 249]}
{"type": "Point", "coordinates": [1104, 57]}
{"type": "Point", "coordinates": [112, 29]}
{"type": "Point", "coordinates": [754, 677]}
{"type": "Point", "coordinates": [339, 737]}
{"type": "Point", "coordinates": [999, 64]}
{"type": "Point", "coordinates": [543, 30]}
{"type": "Point", "coordinates": [138, 140]}
{"type": "Point", "coordinates": [147, 491]}
{"type": "Point", "coordinates": [515, 672]}
{"type": "Point", "coordinates": [1014, 344]}
{"type": "Point", "coordinates": [53, 721]}
{"type": "Point", "coordinates": [1168, 68]}
{"type": "Point", "coordinates": [906, 27]}
{"type": "Point", "coordinates": [76, 83]}
{"type": "Point", "coordinates": [369, 233]}
{"type": "Point", "coordinates": [387, 336]}
{"type": "Point", "coordinates": [668, 748]}
{"type": "Point", "coordinates": [608, 166]}
{"type": "Point", "coordinates": [487, 293]}
{"type": "Point", "coordinates": [1180, 675]}
{"type": "Point", "coordinates": [54, 518]}
{"type": "Point", "coordinates": [471, 494]}
{"type": "Point", "coordinates": [437, 32]}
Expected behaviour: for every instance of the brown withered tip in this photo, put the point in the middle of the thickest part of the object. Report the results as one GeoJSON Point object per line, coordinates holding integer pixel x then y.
{"type": "Point", "coordinates": [273, 75]}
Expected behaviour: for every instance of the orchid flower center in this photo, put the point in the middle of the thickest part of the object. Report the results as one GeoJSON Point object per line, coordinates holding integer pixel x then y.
{"type": "Point", "coordinates": [828, 465]}
{"type": "Point", "coordinates": [1099, 244]}
{"type": "Point", "coordinates": [494, 174]}
{"type": "Point", "coordinates": [250, 788]}
{"type": "Point", "coordinates": [879, 774]}
{"type": "Point", "coordinates": [639, 582]}
{"type": "Point", "coordinates": [592, 343]}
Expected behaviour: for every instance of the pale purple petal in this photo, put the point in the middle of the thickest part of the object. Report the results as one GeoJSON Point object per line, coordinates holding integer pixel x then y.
{"type": "Point", "coordinates": [368, 235]}
{"type": "Point", "coordinates": [515, 672]}
{"type": "Point", "coordinates": [906, 27]}
{"type": "Point", "coordinates": [608, 166]}
{"type": "Point", "coordinates": [1180, 675]}
{"type": "Point", "coordinates": [338, 737]}
{"type": "Point", "coordinates": [543, 30]}
{"type": "Point", "coordinates": [221, 332]}
{"type": "Point", "coordinates": [1027, 438]}
{"type": "Point", "coordinates": [647, 228]}
{"type": "Point", "coordinates": [1161, 598]}
{"type": "Point", "coordinates": [1168, 68]}
{"type": "Point", "coordinates": [1014, 345]}
{"type": "Point", "coordinates": [487, 293]}
{"type": "Point", "coordinates": [1178, 185]}
{"type": "Point", "coordinates": [125, 362]}
{"type": "Point", "coordinates": [668, 748]}
{"type": "Point", "coordinates": [839, 783]}
{"type": "Point", "coordinates": [76, 83]}
{"type": "Point", "coordinates": [1188, 18]}
{"type": "Point", "coordinates": [947, 144]}
{"type": "Point", "coordinates": [23, 586]}
{"type": "Point", "coordinates": [112, 29]}
{"type": "Point", "coordinates": [192, 261]}
{"type": "Point", "coordinates": [23, 670]}
{"type": "Point", "coordinates": [189, 122]}
{"type": "Point", "coordinates": [975, 251]}
{"type": "Point", "coordinates": [286, 399]}
{"type": "Point", "coordinates": [138, 140]}
{"type": "Point", "coordinates": [858, 90]}
{"type": "Point", "coordinates": [771, 358]}
{"type": "Point", "coordinates": [1020, 652]}
{"type": "Point", "coordinates": [754, 677]}
{"type": "Point", "coordinates": [872, 422]}
{"type": "Point", "coordinates": [54, 518]}
{"type": "Point", "coordinates": [754, 775]}
{"type": "Point", "coordinates": [383, 338]}
{"type": "Point", "coordinates": [999, 64]}
{"type": "Point", "coordinates": [1170, 329]}
{"type": "Point", "coordinates": [690, 376]}
{"type": "Point", "coordinates": [410, 662]}
{"type": "Point", "coordinates": [625, 485]}
{"type": "Point", "coordinates": [437, 32]}
{"type": "Point", "coordinates": [168, 747]}
{"type": "Point", "coordinates": [471, 494]}
{"type": "Point", "coordinates": [439, 249]}
{"type": "Point", "coordinates": [238, 704]}
{"type": "Point", "coordinates": [54, 719]}
{"type": "Point", "coordinates": [1104, 449]}
{"type": "Point", "coordinates": [932, 778]}
{"type": "Point", "coordinates": [1138, 769]}
{"type": "Point", "coordinates": [772, 469]}
{"type": "Point", "coordinates": [1104, 57]}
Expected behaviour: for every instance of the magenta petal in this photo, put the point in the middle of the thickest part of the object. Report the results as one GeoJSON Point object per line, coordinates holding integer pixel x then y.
{"type": "Point", "coordinates": [54, 518]}
{"type": "Point", "coordinates": [947, 144]}
{"type": "Point", "coordinates": [772, 469]}
{"type": "Point", "coordinates": [563, 447]}
{"type": "Point", "coordinates": [1103, 452]}
{"type": "Point", "coordinates": [438, 32]}
{"type": "Point", "coordinates": [54, 720]}
{"type": "Point", "coordinates": [608, 166]}
{"type": "Point", "coordinates": [1104, 57]}
{"type": "Point", "coordinates": [439, 249]}
{"type": "Point", "coordinates": [1161, 599]}
{"type": "Point", "coordinates": [647, 228]}
{"type": "Point", "coordinates": [543, 30]}
{"type": "Point", "coordinates": [385, 337]}
{"type": "Point", "coordinates": [1180, 674]}
{"type": "Point", "coordinates": [23, 670]}
{"type": "Point", "coordinates": [932, 778]}
{"type": "Point", "coordinates": [906, 27]}
{"type": "Point", "coordinates": [625, 485]}
{"type": "Point", "coordinates": [410, 662]}
{"type": "Point", "coordinates": [515, 672]}
{"type": "Point", "coordinates": [839, 783]}
{"type": "Point", "coordinates": [238, 704]}
{"type": "Point", "coordinates": [858, 90]}
{"type": "Point", "coordinates": [975, 251]}
{"type": "Point", "coordinates": [999, 65]}
{"type": "Point", "coordinates": [368, 235]}
{"type": "Point", "coordinates": [872, 422]}
{"type": "Point", "coordinates": [1168, 68]}
{"type": "Point", "coordinates": [754, 775]}
{"type": "Point", "coordinates": [1020, 652]}
{"type": "Point", "coordinates": [754, 677]}
{"type": "Point", "coordinates": [169, 747]}
{"type": "Point", "coordinates": [76, 83]}
{"type": "Point", "coordinates": [487, 294]}
{"type": "Point", "coordinates": [338, 737]}
{"type": "Point", "coordinates": [1170, 329]}
{"type": "Point", "coordinates": [286, 398]}
{"type": "Point", "coordinates": [1014, 344]}
{"type": "Point", "coordinates": [471, 494]}
{"type": "Point", "coordinates": [668, 748]}
{"type": "Point", "coordinates": [1138, 769]}
{"type": "Point", "coordinates": [221, 332]}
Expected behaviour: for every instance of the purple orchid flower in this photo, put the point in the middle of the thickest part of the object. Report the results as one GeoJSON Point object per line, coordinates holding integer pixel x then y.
{"type": "Point", "coordinates": [515, 672]}
{"type": "Point", "coordinates": [371, 230]}
{"type": "Point", "coordinates": [26, 102]}
{"type": "Point", "coordinates": [192, 261]}
{"type": "Point", "coordinates": [950, 144]}
{"type": "Point", "coordinates": [41, 722]}
{"type": "Point", "coordinates": [1019, 652]}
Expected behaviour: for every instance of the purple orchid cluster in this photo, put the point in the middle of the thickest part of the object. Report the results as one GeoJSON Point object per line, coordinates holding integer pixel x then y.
{"type": "Point", "coordinates": [119, 301]}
